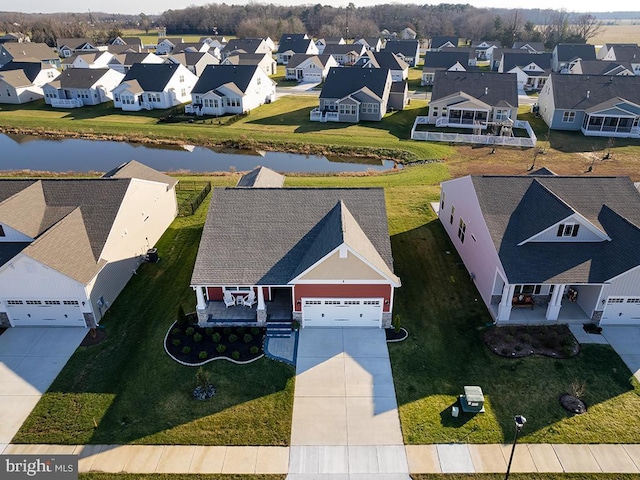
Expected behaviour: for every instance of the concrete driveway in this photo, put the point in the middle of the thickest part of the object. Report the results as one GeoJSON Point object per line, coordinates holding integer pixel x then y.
{"type": "Point", "coordinates": [625, 340]}
{"type": "Point", "coordinates": [30, 360]}
{"type": "Point", "coordinates": [345, 415]}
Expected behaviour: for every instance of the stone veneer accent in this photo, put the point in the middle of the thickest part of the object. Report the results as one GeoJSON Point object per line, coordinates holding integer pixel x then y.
{"type": "Point", "coordinates": [4, 320]}
{"type": "Point", "coordinates": [89, 320]}
{"type": "Point", "coordinates": [597, 316]}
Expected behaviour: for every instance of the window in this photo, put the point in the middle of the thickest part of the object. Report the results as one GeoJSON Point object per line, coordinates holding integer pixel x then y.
{"type": "Point", "coordinates": [568, 230]}
{"type": "Point", "coordinates": [442, 200]}
{"type": "Point", "coordinates": [14, 302]}
{"type": "Point", "coordinates": [351, 302]}
{"type": "Point", "coordinates": [453, 211]}
{"type": "Point", "coordinates": [183, 92]}
{"type": "Point", "coordinates": [312, 302]}
{"type": "Point", "coordinates": [70, 302]}
{"type": "Point", "coordinates": [259, 81]}
{"type": "Point", "coordinates": [569, 116]}
{"type": "Point", "coordinates": [52, 302]}
{"type": "Point", "coordinates": [633, 300]}
{"type": "Point", "coordinates": [611, 301]}
{"type": "Point", "coordinates": [181, 78]}
{"type": "Point", "coordinates": [502, 114]}
{"type": "Point", "coordinates": [370, 108]}
{"type": "Point", "coordinates": [33, 302]}
{"type": "Point", "coordinates": [371, 302]}
{"type": "Point", "coordinates": [347, 109]}
{"type": "Point", "coordinates": [527, 289]}
{"type": "Point", "coordinates": [332, 302]}
{"type": "Point", "coordinates": [462, 228]}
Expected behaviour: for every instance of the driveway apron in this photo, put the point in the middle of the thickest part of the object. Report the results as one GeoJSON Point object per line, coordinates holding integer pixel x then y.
{"type": "Point", "coordinates": [625, 340]}
{"type": "Point", "coordinates": [30, 360]}
{"type": "Point", "coordinates": [345, 414]}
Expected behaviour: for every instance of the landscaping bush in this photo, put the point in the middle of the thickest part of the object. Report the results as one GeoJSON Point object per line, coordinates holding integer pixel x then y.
{"type": "Point", "coordinates": [397, 322]}
{"type": "Point", "coordinates": [176, 342]}
{"type": "Point", "coordinates": [181, 317]}
{"type": "Point", "coordinates": [226, 330]}
{"type": "Point", "coordinates": [176, 331]}
{"type": "Point", "coordinates": [216, 337]}
{"type": "Point", "coordinates": [253, 350]}
{"type": "Point", "coordinates": [233, 338]}
{"type": "Point", "coordinates": [197, 337]}
{"type": "Point", "coordinates": [190, 331]}
{"type": "Point", "coordinates": [247, 338]}
{"type": "Point", "coordinates": [255, 331]}
{"type": "Point", "coordinates": [203, 354]}
{"type": "Point", "coordinates": [235, 355]}
{"type": "Point", "coordinates": [240, 330]}
{"type": "Point", "coordinates": [221, 348]}
{"type": "Point", "coordinates": [186, 350]}
{"type": "Point", "coordinates": [209, 331]}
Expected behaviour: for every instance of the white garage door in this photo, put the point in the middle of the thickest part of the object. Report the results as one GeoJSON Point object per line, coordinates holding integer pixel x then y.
{"type": "Point", "coordinates": [38, 313]}
{"type": "Point", "coordinates": [312, 76]}
{"type": "Point", "coordinates": [622, 311]}
{"type": "Point", "coordinates": [342, 312]}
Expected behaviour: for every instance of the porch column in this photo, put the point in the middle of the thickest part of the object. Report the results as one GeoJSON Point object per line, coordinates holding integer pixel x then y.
{"type": "Point", "coordinates": [504, 309]}
{"type": "Point", "coordinates": [261, 310]}
{"type": "Point", "coordinates": [202, 304]}
{"type": "Point", "coordinates": [553, 310]}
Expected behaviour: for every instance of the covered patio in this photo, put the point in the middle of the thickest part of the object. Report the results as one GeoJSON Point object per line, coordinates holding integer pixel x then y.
{"type": "Point", "coordinates": [615, 118]}
{"type": "Point", "coordinates": [279, 308]}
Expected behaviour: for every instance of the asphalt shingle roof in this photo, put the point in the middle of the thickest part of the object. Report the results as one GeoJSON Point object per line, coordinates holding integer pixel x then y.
{"type": "Point", "coordinates": [512, 60]}
{"type": "Point", "coordinates": [248, 45]}
{"type": "Point", "coordinates": [261, 177]}
{"type": "Point", "coordinates": [79, 77]}
{"type": "Point", "coordinates": [341, 82]}
{"type": "Point", "coordinates": [215, 76]}
{"type": "Point", "coordinates": [39, 51]}
{"type": "Point", "coordinates": [490, 88]}
{"type": "Point", "coordinates": [407, 48]}
{"type": "Point", "coordinates": [255, 236]}
{"type": "Point", "coordinates": [446, 58]}
{"type": "Point", "coordinates": [516, 206]}
{"type": "Point", "coordinates": [294, 43]}
{"type": "Point", "coordinates": [570, 51]}
{"type": "Point", "coordinates": [570, 91]}
{"type": "Point", "coordinates": [152, 77]}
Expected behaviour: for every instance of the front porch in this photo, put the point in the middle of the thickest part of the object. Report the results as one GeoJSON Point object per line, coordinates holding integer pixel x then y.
{"type": "Point", "coordinates": [570, 313]}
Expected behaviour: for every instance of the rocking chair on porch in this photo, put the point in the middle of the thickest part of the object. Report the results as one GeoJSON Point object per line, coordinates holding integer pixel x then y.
{"type": "Point", "coordinates": [229, 300]}
{"type": "Point", "coordinates": [249, 300]}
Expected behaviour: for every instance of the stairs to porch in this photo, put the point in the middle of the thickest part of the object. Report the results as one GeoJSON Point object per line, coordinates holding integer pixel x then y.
{"type": "Point", "coordinates": [278, 328]}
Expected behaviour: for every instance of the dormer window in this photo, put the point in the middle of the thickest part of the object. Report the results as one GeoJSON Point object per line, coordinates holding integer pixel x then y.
{"type": "Point", "coordinates": [568, 230]}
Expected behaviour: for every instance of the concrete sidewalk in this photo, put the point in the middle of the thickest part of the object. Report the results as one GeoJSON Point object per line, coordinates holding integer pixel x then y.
{"type": "Point", "coordinates": [442, 458]}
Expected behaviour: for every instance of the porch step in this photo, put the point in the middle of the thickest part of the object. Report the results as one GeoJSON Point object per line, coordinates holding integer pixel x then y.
{"type": "Point", "coordinates": [278, 329]}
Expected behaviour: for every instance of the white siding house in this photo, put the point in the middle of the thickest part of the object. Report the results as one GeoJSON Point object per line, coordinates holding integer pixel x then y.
{"type": "Point", "coordinates": [21, 82]}
{"type": "Point", "coordinates": [79, 87]}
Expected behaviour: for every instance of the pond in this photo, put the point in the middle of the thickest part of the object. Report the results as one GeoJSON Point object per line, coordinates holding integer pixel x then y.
{"type": "Point", "coordinates": [25, 152]}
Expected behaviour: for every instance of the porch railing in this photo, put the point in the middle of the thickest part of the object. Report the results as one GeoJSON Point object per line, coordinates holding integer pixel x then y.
{"type": "Point", "coordinates": [66, 103]}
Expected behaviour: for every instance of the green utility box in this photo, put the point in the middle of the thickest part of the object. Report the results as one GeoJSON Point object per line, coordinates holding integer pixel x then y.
{"type": "Point", "coordinates": [472, 400]}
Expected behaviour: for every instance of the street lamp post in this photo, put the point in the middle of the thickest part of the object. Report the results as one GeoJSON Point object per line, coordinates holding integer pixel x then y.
{"type": "Point", "coordinates": [519, 421]}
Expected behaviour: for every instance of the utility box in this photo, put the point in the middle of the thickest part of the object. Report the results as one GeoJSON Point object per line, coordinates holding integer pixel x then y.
{"type": "Point", "coordinates": [152, 255]}
{"type": "Point", "coordinates": [472, 400]}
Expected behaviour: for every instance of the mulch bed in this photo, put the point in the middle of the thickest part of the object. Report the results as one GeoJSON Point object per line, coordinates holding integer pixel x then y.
{"type": "Point", "coordinates": [554, 341]}
{"type": "Point", "coordinates": [94, 337]}
{"type": "Point", "coordinates": [393, 336]}
{"type": "Point", "coordinates": [184, 338]}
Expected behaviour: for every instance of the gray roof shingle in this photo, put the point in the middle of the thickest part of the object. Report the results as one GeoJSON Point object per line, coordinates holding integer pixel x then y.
{"type": "Point", "coordinates": [79, 77]}
{"type": "Point", "coordinates": [255, 236]}
{"type": "Point", "coordinates": [511, 60]}
{"type": "Point", "coordinates": [490, 88]}
{"type": "Point", "coordinates": [261, 177]}
{"type": "Point", "coordinates": [580, 92]}
{"type": "Point", "coordinates": [341, 82]}
{"type": "Point", "coordinates": [571, 51]}
{"type": "Point", "coordinates": [152, 77]}
{"type": "Point", "coordinates": [214, 76]}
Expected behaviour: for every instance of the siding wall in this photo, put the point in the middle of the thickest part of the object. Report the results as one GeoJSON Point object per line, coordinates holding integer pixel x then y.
{"type": "Point", "coordinates": [626, 285]}
{"type": "Point", "coordinates": [12, 235]}
{"type": "Point", "coordinates": [336, 268]}
{"type": "Point", "coordinates": [584, 234]}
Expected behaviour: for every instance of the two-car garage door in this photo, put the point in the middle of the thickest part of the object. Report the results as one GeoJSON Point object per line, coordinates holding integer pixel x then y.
{"type": "Point", "coordinates": [37, 313]}
{"type": "Point", "coordinates": [621, 311]}
{"type": "Point", "coordinates": [342, 312]}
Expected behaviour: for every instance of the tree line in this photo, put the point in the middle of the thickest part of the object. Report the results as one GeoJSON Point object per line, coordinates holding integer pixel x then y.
{"type": "Point", "coordinates": [260, 20]}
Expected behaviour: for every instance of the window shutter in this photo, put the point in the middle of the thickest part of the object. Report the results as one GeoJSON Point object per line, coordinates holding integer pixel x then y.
{"type": "Point", "coordinates": [560, 229]}
{"type": "Point", "coordinates": [575, 230]}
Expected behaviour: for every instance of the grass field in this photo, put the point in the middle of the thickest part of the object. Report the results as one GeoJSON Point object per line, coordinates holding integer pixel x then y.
{"type": "Point", "coordinates": [626, 32]}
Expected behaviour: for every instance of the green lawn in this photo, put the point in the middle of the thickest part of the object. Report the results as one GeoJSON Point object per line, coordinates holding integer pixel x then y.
{"type": "Point", "coordinates": [135, 394]}
{"type": "Point", "coordinates": [127, 390]}
{"type": "Point", "coordinates": [281, 125]}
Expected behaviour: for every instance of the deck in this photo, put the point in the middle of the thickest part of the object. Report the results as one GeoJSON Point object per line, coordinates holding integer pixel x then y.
{"type": "Point", "coordinates": [218, 313]}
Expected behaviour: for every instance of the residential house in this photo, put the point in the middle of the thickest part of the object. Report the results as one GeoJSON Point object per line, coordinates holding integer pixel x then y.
{"type": "Point", "coordinates": [132, 43]}
{"type": "Point", "coordinates": [627, 54]}
{"type": "Point", "coordinates": [606, 52]}
{"type": "Point", "coordinates": [345, 55]}
{"type": "Point", "coordinates": [399, 68]}
{"type": "Point", "coordinates": [28, 52]}
{"type": "Point", "coordinates": [473, 99]}
{"type": "Point", "coordinates": [21, 82]}
{"type": "Point", "coordinates": [263, 60]}
{"type": "Point", "coordinates": [77, 87]}
{"type": "Point", "coordinates": [292, 43]}
{"type": "Point", "coordinates": [408, 34]}
{"type": "Point", "coordinates": [543, 248]}
{"type": "Point", "coordinates": [215, 41]}
{"type": "Point", "coordinates": [261, 177]}
{"type": "Point", "coordinates": [321, 43]}
{"type": "Point", "coordinates": [154, 86]}
{"type": "Point", "coordinates": [484, 50]}
{"type": "Point", "coordinates": [123, 62]}
{"type": "Point", "coordinates": [606, 106]}
{"type": "Point", "coordinates": [68, 46]}
{"type": "Point", "coordinates": [319, 256]}
{"type": "Point", "coordinates": [239, 46]}
{"type": "Point", "coordinates": [353, 94]}
{"type": "Point", "coordinates": [191, 47]}
{"type": "Point", "coordinates": [439, 42]}
{"type": "Point", "coordinates": [531, 47]}
{"type": "Point", "coordinates": [398, 95]}
{"type": "Point", "coordinates": [231, 89]}
{"type": "Point", "coordinates": [309, 68]}
{"type": "Point", "coordinates": [167, 45]}
{"type": "Point", "coordinates": [532, 69]}
{"type": "Point", "coordinates": [371, 43]}
{"type": "Point", "coordinates": [601, 67]}
{"type": "Point", "coordinates": [447, 59]}
{"type": "Point", "coordinates": [566, 54]}
{"type": "Point", "coordinates": [195, 62]}
{"type": "Point", "coordinates": [87, 60]}
{"type": "Point", "coordinates": [14, 37]}
{"type": "Point", "coordinates": [69, 246]}
{"type": "Point", "coordinates": [407, 50]}
{"type": "Point", "coordinates": [498, 54]}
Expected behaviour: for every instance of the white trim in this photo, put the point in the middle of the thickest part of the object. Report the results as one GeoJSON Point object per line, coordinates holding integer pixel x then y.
{"type": "Point", "coordinates": [575, 218]}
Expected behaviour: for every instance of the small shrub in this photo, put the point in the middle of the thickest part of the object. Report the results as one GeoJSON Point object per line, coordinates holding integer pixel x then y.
{"type": "Point", "coordinates": [254, 350]}
{"type": "Point", "coordinates": [190, 331]}
{"type": "Point", "coordinates": [176, 331]}
{"type": "Point", "coordinates": [235, 355]}
{"type": "Point", "coordinates": [176, 342]}
{"type": "Point", "coordinates": [247, 338]}
{"type": "Point", "coordinates": [518, 348]}
{"type": "Point", "coordinates": [203, 354]}
{"type": "Point", "coordinates": [221, 348]}
{"type": "Point", "coordinates": [209, 331]}
{"type": "Point", "coordinates": [255, 331]}
{"type": "Point", "coordinates": [186, 350]}
{"type": "Point", "coordinates": [233, 338]}
{"type": "Point", "coordinates": [226, 330]}
{"type": "Point", "coordinates": [240, 330]}
{"type": "Point", "coordinates": [397, 322]}
{"type": "Point", "coordinates": [216, 337]}
{"type": "Point", "coordinates": [202, 377]}
{"type": "Point", "coordinates": [578, 388]}
{"type": "Point", "coordinates": [181, 317]}
{"type": "Point", "coordinates": [197, 337]}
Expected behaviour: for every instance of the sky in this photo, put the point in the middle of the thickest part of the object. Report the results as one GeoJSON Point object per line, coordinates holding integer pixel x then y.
{"type": "Point", "coordinates": [158, 6]}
